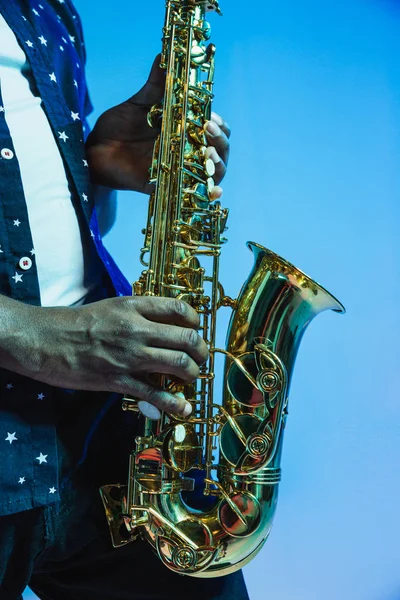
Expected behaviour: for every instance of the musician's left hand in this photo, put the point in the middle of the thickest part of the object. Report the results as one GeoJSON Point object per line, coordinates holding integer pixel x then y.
{"type": "Point", "coordinates": [120, 147]}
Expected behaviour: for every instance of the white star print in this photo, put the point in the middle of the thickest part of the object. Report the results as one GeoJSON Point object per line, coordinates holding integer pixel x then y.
{"type": "Point", "coordinates": [17, 278]}
{"type": "Point", "coordinates": [11, 437]}
{"type": "Point", "coordinates": [9, 386]}
{"type": "Point", "coordinates": [92, 234]}
{"type": "Point", "coordinates": [71, 37]}
{"type": "Point", "coordinates": [2, 109]}
{"type": "Point", "coordinates": [1, 251]}
{"type": "Point", "coordinates": [21, 480]}
{"type": "Point", "coordinates": [63, 136]}
{"type": "Point", "coordinates": [17, 222]}
{"type": "Point", "coordinates": [75, 116]}
{"type": "Point", "coordinates": [43, 40]}
{"type": "Point", "coordinates": [41, 396]}
{"type": "Point", "coordinates": [85, 198]}
{"type": "Point", "coordinates": [62, 48]}
{"type": "Point", "coordinates": [75, 83]}
{"type": "Point", "coordinates": [29, 43]}
{"type": "Point", "coordinates": [85, 163]}
{"type": "Point", "coordinates": [42, 458]}
{"type": "Point", "coordinates": [52, 490]}
{"type": "Point", "coordinates": [32, 252]}
{"type": "Point", "coordinates": [35, 12]}
{"type": "Point", "coordinates": [53, 77]}
{"type": "Point", "coordinates": [61, 1]}
{"type": "Point", "coordinates": [64, 40]}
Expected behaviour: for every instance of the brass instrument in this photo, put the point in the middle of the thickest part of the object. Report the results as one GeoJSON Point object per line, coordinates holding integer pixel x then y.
{"type": "Point", "coordinates": [232, 450]}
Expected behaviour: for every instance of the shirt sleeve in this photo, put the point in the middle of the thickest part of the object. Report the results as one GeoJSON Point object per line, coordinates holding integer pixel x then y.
{"type": "Point", "coordinates": [88, 106]}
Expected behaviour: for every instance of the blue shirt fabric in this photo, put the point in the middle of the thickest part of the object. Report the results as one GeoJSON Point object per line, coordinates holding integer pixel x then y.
{"type": "Point", "coordinates": [28, 449]}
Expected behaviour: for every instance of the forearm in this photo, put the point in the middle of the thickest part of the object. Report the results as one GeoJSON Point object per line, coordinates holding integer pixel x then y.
{"type": "Point", "coordinates": [18, 338]}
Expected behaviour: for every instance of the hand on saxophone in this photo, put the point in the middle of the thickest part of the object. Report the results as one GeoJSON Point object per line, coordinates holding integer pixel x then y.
{"type": "Point", "coordinates": [120, 147]}
{"type": "Point", "coordinates": [112, 345]}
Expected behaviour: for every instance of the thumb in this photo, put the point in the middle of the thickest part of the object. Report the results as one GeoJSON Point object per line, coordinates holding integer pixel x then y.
{"type": "Point", "coordinates": [153, 90]}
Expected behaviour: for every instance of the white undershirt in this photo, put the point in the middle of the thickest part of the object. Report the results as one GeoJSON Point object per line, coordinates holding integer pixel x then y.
{"type": "Point", "coordinates": [55, 230]}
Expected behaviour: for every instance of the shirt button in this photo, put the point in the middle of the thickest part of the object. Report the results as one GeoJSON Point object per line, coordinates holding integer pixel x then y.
{"type": "Point", "coordinates": [25, 263]}
{"type": "Point", "coordinates": [7, 153]}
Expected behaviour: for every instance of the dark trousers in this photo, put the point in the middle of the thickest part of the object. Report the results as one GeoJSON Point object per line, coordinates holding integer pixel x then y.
{"type": "Point", "coordinates": [64, 551]}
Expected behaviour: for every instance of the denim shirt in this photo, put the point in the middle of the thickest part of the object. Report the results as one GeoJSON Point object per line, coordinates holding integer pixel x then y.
{"type": "Point", "coordinates": [29, 475]}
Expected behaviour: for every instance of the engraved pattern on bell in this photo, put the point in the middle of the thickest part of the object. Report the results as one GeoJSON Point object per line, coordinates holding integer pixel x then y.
{"type": "Point", "coordinates": [231, 445]}
{"type": "Point", "coordinates": [184, 557]}
{"type": "Point", "coordinates": [258, 444]}
{"type": "Point", "coordinates": [268, 381]}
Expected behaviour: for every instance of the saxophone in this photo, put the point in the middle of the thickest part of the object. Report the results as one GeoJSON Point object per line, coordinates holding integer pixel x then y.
{"type": "Point", "coordinates": [203, 490]}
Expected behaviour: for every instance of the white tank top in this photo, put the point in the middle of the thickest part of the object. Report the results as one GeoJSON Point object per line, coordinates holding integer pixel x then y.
{"type": "Point", "coordinates": [57, 240]}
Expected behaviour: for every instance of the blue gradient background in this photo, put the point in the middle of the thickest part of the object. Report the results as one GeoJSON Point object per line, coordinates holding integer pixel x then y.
{"type": "Point", "coordinates": [311, 91]}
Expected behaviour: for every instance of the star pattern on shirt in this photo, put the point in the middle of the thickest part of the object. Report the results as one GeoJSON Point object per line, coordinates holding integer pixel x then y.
{"type": "Point", "coordinates": [66, 104]}
{"type": "Point", "coordinates": [17, 277]}
{"type": "Point", "coordinates": [11, 437]}
{"type": "Point", "coordinates": [42, 458]}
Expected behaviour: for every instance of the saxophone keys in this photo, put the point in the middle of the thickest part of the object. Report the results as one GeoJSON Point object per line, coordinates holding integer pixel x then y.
{"type": "Point", "coordinates": [181, 448]}
{"type": "Point", "coordinates": [210, 168]}
{"type": "Point", "coordinates": [149, 410]}
{"type": "Point", "coordinates": [210, 184]}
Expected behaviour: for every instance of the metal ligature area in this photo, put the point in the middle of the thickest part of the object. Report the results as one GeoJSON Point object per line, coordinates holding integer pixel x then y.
{"type": "Point", "coordinates": [203, 490]}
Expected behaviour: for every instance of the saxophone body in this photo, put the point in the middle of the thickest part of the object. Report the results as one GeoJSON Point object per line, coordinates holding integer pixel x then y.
{"type": "Point", "coordinates": [203, 490]}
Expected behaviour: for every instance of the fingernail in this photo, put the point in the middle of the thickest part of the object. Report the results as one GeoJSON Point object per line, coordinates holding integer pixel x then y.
{"type": "Point", "coordinates": [187, 410]}
{"type": "Point", "coordinates": [212, 129]}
